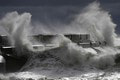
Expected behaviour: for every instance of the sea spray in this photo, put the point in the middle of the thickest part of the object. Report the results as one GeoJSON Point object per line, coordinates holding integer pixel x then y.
{"type": "Point", "coordinates": [104, 59]}
{"type": "Point", "coordinates": [16, 26]}
{"type": "Point", "coordinates": [73, 54]}
{"type": "Point", "coordinates": [97, 22]}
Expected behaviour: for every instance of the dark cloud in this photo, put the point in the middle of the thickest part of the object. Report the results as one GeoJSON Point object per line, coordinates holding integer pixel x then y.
{"type": "Point", "coordinates": [43, 2]}
{"type": "Point", "coordinates": [53, 10]}
{"type": "Point", "coordinates": [52, 2]}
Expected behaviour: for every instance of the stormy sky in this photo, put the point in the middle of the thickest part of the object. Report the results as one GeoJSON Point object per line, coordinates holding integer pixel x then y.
{"type": "Point", "coordinates": [58, 10]}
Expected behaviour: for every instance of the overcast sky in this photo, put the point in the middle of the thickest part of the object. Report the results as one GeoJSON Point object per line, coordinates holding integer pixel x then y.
{"type": "Point", "coordinates": [52, 2]}
{"type": "Point", "coordinates": [41, 7]}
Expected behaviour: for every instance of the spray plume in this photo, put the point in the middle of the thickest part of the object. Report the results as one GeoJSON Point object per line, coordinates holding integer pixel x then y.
{"type": "Point", "coordinates": [97, 23]}
{"type": "Point", "coordinates": [16, 26]}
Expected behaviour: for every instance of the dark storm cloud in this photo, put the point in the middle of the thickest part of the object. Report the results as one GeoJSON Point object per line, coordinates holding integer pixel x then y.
{"type": "Point", "coordinates": [50, 2]}
{"type": "Point", "coordinates": [54, 10]}
{"type": "Point", "coordinates": [42, 2]}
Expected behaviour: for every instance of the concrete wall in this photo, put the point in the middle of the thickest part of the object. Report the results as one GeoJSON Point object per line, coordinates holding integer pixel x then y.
{"type": "Point", "coordinates": [44, 38]}
{"type": "Point", "coordinates": [79, 38]}
{"type": "Point", "coordinates": [4, 40]}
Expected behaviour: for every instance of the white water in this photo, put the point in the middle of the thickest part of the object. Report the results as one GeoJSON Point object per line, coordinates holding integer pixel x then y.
{"type": "Point", "coordinates": [68, 59]}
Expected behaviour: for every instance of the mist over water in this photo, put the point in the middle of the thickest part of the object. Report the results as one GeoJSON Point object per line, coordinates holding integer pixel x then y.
{"type": "Point", "coordinates": [92, 20]}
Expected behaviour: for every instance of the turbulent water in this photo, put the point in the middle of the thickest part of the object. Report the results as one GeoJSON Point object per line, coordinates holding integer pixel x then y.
{"type": "Point", "coordinates": [66, 60]}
